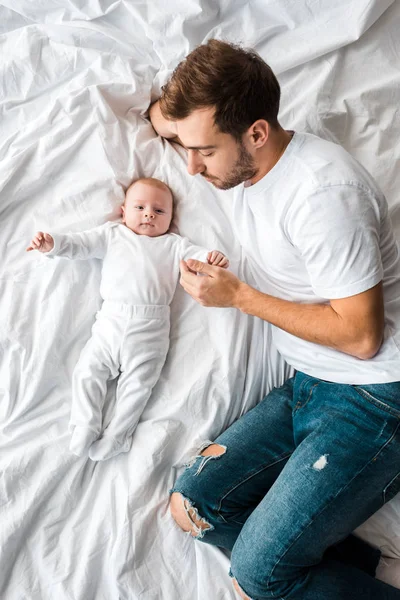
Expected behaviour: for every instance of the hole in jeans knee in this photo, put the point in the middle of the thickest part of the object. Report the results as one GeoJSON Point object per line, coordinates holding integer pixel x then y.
{"type": "Point", "coordinates": [187, 516]}
{"type": "Point", "coordinates": [214, 450]}
{"type": "Point", "coordinates": [206, 452]}
{"type": "Point", "coordinates": [211, 452]}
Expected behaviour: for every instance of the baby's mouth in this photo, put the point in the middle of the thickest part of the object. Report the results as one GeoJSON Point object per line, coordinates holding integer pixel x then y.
{"type": "Point", "coordinates": [148, 224]}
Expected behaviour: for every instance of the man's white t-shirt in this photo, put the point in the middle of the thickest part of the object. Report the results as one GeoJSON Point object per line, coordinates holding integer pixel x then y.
{"type": "Point", "coordinates": [316, 228]}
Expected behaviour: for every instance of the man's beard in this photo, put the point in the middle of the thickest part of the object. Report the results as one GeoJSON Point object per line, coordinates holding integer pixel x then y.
{"type": "Point", "coordinates": [243, 169]}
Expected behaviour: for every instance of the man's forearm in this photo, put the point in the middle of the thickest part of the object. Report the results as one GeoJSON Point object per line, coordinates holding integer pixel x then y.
{"type": "Point", "coordinates": [317, 323]}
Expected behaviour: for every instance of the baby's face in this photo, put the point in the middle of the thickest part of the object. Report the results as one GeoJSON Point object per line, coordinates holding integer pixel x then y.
{"type": "Point", "coordinates": [147, 210]}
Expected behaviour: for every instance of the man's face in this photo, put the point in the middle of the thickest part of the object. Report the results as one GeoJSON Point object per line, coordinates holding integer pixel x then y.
{"type": "Point", "coordinates": [147, 209]}
{"type": "Point", "coordinates": [217, 156]}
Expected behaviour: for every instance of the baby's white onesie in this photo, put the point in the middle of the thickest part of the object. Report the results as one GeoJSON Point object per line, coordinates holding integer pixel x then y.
{"type": "Point", "coordinates": [130, 337]}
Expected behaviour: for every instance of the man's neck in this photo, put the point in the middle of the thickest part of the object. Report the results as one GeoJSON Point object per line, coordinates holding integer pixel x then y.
{"type": "Point", "coordinates": [273, 150]}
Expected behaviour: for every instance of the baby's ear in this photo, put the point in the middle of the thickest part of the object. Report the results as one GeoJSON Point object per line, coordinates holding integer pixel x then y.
{"type": "Point", "coordinates": [173, 228]}
{"type": "Point", "coordinates": [123, 213]}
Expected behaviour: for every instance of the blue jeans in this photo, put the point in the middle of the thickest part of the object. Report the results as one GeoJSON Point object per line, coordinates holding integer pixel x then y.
{"type": "Point", "coordinates": [300, 471]}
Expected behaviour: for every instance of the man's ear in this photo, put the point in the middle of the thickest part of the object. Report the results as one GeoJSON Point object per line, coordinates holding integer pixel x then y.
{"type": "Point", "coordinates": [258, 133]}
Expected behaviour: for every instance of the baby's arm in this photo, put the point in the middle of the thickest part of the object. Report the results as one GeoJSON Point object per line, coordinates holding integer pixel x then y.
{"type": "Point", "coordinates": [81, 246]}
{"type": "Point", "coordinates": [215, 257]}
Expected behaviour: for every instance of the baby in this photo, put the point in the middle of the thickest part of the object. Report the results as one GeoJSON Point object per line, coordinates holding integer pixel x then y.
{"type": "Point", "coordinates": [130, 337]}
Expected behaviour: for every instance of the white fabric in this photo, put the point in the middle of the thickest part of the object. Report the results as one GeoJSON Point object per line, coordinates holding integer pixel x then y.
{"type": "Point", "coordinates": [128, 342]}
{"type": "Point", "coordinates": [317, 228]}
{"type": "Point", "coordinates": [137, 269]}
{"type": "Point", "coordinates": [76, 80]}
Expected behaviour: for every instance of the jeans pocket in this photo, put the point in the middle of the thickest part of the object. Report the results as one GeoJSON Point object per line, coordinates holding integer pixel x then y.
{"type": "Point", "coordinates": [392, 488]}
{"type": "Point", "coordinates": [369, 393]}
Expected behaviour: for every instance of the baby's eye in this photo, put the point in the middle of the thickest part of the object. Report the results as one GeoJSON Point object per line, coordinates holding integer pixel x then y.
{"type": "Point", "coordinates": [158, 210]}
{"type": "Point", "coordinates": [139, 207]}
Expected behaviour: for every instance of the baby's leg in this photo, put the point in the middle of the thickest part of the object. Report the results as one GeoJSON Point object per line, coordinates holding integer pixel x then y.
{"type": "Point", "coordinates": [97, 363]}
{"type": "Point", "coordinates": [143, 354]}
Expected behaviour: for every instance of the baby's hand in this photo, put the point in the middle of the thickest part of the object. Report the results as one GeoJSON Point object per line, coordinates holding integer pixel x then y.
{"type": "Point", "coordinates": [42, 242]}
{"type": "Point", "coordinates": [217, 259]}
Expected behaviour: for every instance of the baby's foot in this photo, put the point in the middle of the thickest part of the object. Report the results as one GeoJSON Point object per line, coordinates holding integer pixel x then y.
{"type": "Point", "coordinates": [108, 446]}
{"type": "Point", "coordinates": [81, 440]}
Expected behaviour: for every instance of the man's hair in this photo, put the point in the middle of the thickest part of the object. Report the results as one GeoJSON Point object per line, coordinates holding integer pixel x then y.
{"type": "Point", "coordinates": [236, 81]}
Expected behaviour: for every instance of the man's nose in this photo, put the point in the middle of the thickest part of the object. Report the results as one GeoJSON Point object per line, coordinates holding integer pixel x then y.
{"type": "Point", "coordinates": [195, 164]}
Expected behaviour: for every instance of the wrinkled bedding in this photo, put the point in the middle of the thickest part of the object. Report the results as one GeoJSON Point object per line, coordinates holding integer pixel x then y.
{"type": "Point", "coordinates": [77, 78]}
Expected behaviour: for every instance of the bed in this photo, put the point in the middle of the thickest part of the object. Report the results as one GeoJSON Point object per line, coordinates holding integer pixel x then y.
{"type": "Point", "coordinates": [77, 78]}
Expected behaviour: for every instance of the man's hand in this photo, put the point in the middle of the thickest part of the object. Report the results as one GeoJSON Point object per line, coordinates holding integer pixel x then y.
{"type": "Point", "coordinates": [41, 241]}
{"type": "Point", "coordinates": [220, 288]}
{"type": "Point", "coordinates": [218, 259]}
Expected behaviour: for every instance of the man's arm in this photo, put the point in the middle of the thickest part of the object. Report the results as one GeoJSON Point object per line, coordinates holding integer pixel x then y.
{"type": "Point", "coordinates": [353, 325]}
{"type": "Point", "coordinates": [164, 128]}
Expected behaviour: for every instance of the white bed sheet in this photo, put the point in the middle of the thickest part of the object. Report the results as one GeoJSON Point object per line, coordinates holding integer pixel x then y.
{"type": "Point", "coordinates": [76, 80]}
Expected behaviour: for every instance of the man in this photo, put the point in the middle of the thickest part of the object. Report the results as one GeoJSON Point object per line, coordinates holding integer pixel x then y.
{"type": "Point", "coordinates": [291, 479]}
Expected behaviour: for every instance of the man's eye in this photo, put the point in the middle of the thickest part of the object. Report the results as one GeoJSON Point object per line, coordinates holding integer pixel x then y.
{"type": "Point", "coordinates": [209, 154]}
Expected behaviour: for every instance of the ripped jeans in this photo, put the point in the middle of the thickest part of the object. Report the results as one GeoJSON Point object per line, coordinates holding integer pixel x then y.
{"type": "Point", "coordinates": [296, 475]}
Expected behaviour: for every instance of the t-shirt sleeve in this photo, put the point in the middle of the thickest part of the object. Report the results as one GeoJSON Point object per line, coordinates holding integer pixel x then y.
{"type": "Point", "coordinates": [336, 230]}
{"type": "Point", "coordinates": [189, 250]}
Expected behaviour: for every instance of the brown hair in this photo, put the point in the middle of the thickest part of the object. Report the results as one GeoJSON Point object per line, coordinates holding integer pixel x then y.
{"type": "Point", "coordinates": [241, 86]}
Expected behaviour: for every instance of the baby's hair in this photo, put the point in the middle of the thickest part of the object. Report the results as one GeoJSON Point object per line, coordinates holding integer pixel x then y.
{"type": "Point", "coordinates": [154, 182]}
